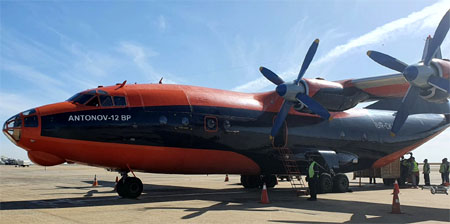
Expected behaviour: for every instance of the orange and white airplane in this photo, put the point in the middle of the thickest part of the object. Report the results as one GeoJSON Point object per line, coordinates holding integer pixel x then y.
{"type": "Point", "coordinates": [182, 129]}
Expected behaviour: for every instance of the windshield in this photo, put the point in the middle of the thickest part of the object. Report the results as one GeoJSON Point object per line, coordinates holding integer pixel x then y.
{"type": "Point", "coordinates": [83, 98]}
{"type": "Point", "coordinates": [98, 98]}
{"type": "Point", "coordinates": [74, 97]}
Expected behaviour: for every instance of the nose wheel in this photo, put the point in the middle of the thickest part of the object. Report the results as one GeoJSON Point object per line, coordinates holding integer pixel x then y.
{"type": "Point", "coordinates": [129, 187]}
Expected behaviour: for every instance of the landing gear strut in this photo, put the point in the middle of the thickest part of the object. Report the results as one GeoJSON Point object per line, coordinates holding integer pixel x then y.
{"type": "Point", "coordinates": [129, 187]}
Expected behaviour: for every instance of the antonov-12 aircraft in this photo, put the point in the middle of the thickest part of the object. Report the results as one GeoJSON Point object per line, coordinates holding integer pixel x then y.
{"type": "Point", "coordinates": [179, 129]}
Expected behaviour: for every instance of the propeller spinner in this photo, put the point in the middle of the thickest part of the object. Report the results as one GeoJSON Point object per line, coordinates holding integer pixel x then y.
{"type": "Point", "coordinates": [294, 92]}
{"type": "Point", "coordinates": [420, 75]}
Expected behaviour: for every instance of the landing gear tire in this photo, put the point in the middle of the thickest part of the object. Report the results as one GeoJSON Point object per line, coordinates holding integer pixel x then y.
{"type": "Point", "coordinates": [270, 180]}
{"type": "Point", "coordinates": [130, 187]}
{"type": "Point", "coordinates": [325, 183]}
{"type": "Point", "coordinates": [251, 181]}
{"type": "Point", "coordinates": [340, 183]}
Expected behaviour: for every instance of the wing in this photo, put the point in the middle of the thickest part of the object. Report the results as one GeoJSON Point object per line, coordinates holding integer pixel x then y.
{"type": "Point", "coordinates": [380, 87]}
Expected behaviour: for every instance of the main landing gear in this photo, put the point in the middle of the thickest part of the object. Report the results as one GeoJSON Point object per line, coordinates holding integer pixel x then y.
{"type": "Point", "coordinates": [129, 187]}
{"type": "Point", "coordinates": [254, 181]}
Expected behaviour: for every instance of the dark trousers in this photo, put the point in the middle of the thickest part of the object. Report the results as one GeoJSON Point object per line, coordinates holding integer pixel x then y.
{"type": "Point", "coordinates": [426, 177]}
{"type": "Point", "coordinates": [312, 184]}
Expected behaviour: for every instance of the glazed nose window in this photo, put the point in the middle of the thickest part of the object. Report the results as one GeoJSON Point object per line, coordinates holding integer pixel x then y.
{"type": "Point", "coordinates": [31, 121]}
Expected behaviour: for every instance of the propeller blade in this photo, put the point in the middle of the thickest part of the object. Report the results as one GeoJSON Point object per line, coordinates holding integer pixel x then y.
{"type": "Point", "coordinates": [387, 61]}
{"type": "Point", "coordinates": [271, 76]}
{"type": "Point", "coordinates": [438, 37]}
{"type": "Point", "coordinates": [308, 58]}
{"type": "Point", "coordinates": [403, 111]}
{"type": "Point", "coordinates": [440, 83]}
{"type": "Point", "coordinates": [314, 106]}
{"type": "Point", "coordinates": [281, 116]}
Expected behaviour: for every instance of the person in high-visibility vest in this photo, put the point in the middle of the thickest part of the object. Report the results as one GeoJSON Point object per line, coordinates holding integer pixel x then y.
{"type": "Point", "coordinates": [447, 171]}
{"type": "Point", "coordinates": [415, 172]}
{"type": "Point", "coordinates": [443, 169]}
{"type": "Point", "coordinates": [426, 172]}
{"type": "Point", "coordinates": [313, 178]}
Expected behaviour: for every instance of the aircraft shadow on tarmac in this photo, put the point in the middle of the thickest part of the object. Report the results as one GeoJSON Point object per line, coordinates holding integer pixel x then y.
{"type": "Point", "coordinates": [235, 199]}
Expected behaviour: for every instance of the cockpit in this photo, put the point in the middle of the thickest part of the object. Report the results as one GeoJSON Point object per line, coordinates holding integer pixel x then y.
{"type": "Point", "coordinates": [98, 97]}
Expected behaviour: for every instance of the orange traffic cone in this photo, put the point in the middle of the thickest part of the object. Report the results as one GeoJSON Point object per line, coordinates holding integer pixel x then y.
{"type": "Point", "coordinates": [95, 184]}
{"type": "Point", "coordinates": [396, 200]}
{"type": "Point", "coordinates": [226, 178]}
{"type": "Point", "coordinates": [396, 187]}
{"type": "Point", "coordinates": [115, 185]}
{"type": "Point", "coordinates": [264, 195]}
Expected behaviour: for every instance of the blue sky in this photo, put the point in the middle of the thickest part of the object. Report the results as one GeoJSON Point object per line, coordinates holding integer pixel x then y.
{"type": "Point", "coordinates": [50, 50]}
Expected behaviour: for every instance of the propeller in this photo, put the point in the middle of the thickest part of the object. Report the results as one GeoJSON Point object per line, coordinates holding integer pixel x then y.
{"type": "Point", "coordinates": [421, 76]}
{"type": "Point", "coordinates": [294, 92]}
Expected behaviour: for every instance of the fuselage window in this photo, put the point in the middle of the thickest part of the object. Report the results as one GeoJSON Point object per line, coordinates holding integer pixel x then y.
{"type": "Point", "coordinates": [83, 98]}
{"type": "Point", "coordinates": [211, 124]}
{"type": "Point", "coordinates": [120, 101]}
{"type": "Point", "coordinates": [105, 101]}
{"type": "Point", "coordinates": [93, 102]}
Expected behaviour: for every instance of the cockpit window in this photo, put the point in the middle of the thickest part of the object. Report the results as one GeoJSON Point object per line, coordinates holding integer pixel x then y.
{"type": "Point", "coordinates": [99, 91]}
{"type": "Point", "coordinates": [105, 101]}
{"type": "Point", "coordinates": [120, 101]}
{"type": "Point", "coordinates": [74, 97]}
{"type": "Point", "coordinates": [93, 102]}
{"type": "Point", "coordinates": [83, 98]}
{"type": "Point", "coordinates": [29, 112]}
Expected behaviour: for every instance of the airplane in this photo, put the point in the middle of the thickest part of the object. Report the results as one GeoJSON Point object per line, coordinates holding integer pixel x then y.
{"type": "Point", "coordinates": [181, 129]}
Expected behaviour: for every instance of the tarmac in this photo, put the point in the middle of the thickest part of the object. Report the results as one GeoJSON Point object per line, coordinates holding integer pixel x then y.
{"type": "Point", "coordinates": [64, 194]}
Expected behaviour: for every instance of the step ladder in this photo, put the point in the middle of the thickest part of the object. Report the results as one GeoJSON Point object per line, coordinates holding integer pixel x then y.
{"type": "Point", "coordinates": [291, 167]}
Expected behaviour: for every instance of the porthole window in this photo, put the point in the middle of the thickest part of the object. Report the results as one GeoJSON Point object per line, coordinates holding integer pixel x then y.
{"type": "Point", "coordinates": [211, 124]}
{"type": "Point", "coordinates": [185, 121]}
{"type": "Point", "coordinates": [163, 120]}
{"type": "Point", "coordinates": [227, 124]}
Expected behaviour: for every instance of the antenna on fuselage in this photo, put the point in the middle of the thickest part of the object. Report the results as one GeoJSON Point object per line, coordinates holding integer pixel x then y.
{"type": "Point", "coordinates": [160, 81]}
{"type": "Point", "coordinates": [121, 85]}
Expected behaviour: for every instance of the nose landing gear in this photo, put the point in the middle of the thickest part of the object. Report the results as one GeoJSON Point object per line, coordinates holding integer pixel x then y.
{"type": "Point", "coordinates": [129, 187]}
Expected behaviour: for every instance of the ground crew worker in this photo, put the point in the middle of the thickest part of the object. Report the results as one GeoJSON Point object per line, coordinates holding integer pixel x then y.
{"type": "Point", "coordinates": [414, 172]}
{"type": "Point", "coordinates": [443, 169]}
{"type": "Point", "coordinates": [447, 171]}
{"type": "Point", "coordinates": [313, 178]}
{"type": "Point", "coordinates": [426, 172]}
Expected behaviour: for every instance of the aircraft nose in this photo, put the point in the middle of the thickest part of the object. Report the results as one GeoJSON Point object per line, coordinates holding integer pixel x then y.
{"type": "Point", "coordinates": [12, 128]}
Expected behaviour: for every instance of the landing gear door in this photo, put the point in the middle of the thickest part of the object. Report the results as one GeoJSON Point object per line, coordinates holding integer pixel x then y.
{"type": "Point", "coordinates": [281, 139]}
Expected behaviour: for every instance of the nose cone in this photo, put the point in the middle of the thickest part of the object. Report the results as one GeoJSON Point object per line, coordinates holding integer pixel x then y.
{"type": "Point", "coordinates": [411, 73]}
{"type": "Point", "coordinates": [281, 89]}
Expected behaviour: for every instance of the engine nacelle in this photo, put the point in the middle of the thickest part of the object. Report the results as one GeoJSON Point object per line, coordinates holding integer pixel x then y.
{"type": "Point", "coordinates": [434, 95]}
